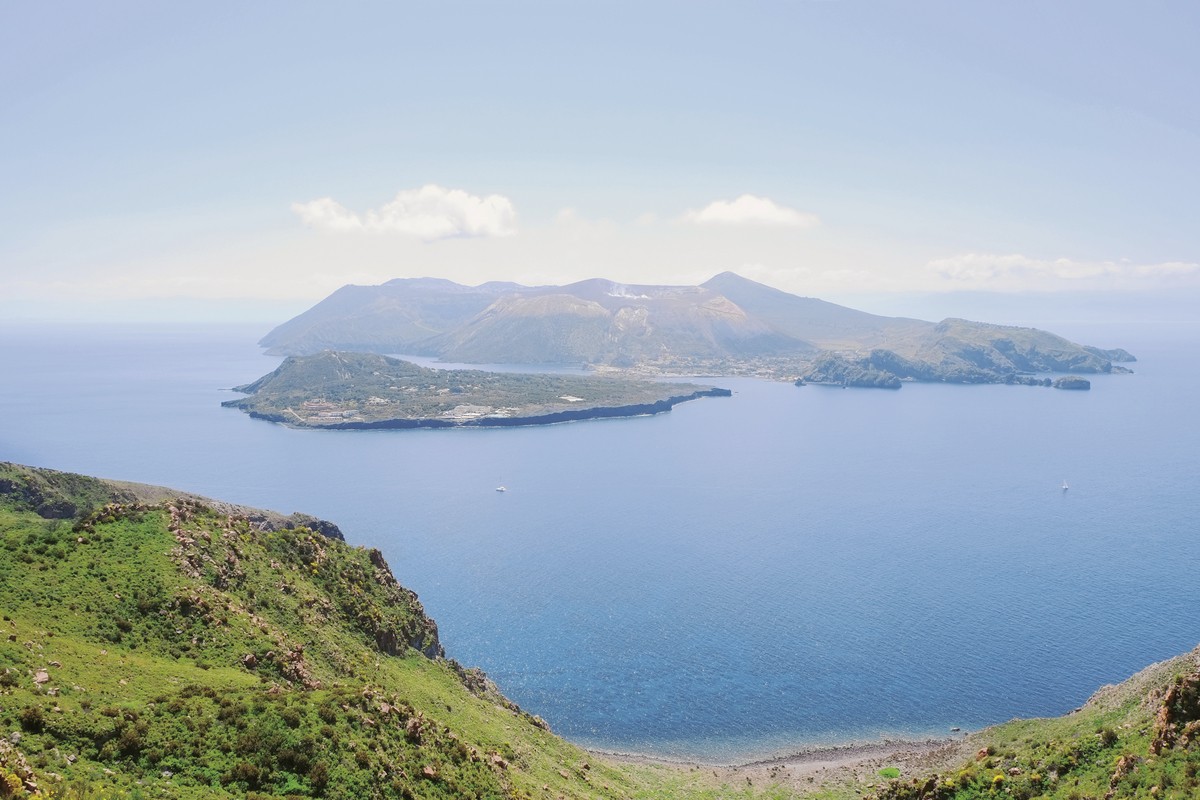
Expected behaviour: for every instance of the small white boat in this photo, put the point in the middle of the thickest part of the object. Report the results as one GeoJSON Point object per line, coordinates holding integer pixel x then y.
{"type": "Point", "coordinates": [1064, 486]}
{"type": "Point", "coordinates": [501, 489]}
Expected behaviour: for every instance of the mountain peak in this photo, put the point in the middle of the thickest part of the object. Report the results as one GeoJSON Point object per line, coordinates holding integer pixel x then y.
{"type": "Point", "coordinates": [729, 275]}
{"type": "Point", "coordinates": [728, 322]}
{"type": "Point", "coordinates": [730, 281]}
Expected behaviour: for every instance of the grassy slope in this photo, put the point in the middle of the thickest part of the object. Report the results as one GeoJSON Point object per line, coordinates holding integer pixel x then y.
{"type": "Point", "coordinates": [1133, 740]}
{"type": "Point", "coordinates": [125, 663]}
{"type": "Point", "coordinates": [124, 668]}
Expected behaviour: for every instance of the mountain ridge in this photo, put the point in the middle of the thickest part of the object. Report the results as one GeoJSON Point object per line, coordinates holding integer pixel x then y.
{"type": "Point", "coordinates": [728, 325]}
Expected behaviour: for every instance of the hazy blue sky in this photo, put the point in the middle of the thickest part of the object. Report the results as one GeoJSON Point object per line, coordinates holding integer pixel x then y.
{"type": "Point", "coordinates": [231, 159]}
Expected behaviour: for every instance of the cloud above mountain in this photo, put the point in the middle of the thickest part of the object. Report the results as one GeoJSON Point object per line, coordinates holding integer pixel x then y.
{"type": "Point", "coordinates": [750, 209]}
{"type": "Point", "coordinates": [1008, 271]}
{"type": "Point", "coordinates": [431, 212]}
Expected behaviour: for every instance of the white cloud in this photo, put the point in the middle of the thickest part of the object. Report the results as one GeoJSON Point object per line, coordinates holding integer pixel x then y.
{"type": "Point", "coordinates": [1167, 269]}
{"type": "Point", "coordinates": [1015, 271]}
{"type": "Point", "coordinates": [431, 212]}
{"type": "Point", "coordinates": [325, 214]}
{"type": "Point", "coordinates": [751, 210]}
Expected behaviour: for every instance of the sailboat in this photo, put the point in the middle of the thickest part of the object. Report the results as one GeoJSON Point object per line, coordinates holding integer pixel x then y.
{"type": "Point", "coordinates": [1064, 486]}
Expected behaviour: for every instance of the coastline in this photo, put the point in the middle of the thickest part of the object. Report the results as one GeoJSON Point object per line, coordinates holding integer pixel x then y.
{"type": "Point", "coordinates": [857, 762]}
{"type": "Point", "coordinates": [549, 418]}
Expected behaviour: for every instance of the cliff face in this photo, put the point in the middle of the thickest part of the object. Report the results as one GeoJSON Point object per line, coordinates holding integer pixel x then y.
{"type": "Point", "coordinates": [180, 648]}
{"type": "Point", "coordinates": [223, 558]}
{"type": "Point", "coordinates": [65, 495]}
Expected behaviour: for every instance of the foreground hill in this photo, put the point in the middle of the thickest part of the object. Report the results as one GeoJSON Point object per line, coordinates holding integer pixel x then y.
{"type": "Point", "coordinates": [181, 648]}
{"type": "Point", "coordinates": [728, 325]}
{"type": "Point", "coordinates": [364, 390]}
{"type": "Point", "coordinates": [1138, 739]}
{"type": "Point", "coordinates": [157, 644]}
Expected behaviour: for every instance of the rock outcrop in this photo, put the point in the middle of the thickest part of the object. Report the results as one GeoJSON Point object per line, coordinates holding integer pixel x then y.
{"type": "Point", "coordinates": [63, 495]}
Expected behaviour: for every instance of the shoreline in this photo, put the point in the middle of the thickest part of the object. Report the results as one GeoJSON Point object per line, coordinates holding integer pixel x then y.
{"type": "Point", "coordinates": [548, 418]}
{"type": "Point", "coordinates": [851, 750]}
{"type": "Point", "coordinates": [857, 762]}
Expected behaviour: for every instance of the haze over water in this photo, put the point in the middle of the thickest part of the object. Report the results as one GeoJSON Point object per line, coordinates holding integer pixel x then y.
{"type": "Point", "coordinates": [741, 576]}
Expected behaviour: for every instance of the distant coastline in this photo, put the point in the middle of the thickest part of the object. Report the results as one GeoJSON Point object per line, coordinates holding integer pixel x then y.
{"type": "Point", "coordinates": [552, 418]}
{"type": "Point", "coordinates": [728, 326]}
{"type": "Point", "coordinates": [362, 391]}
{"type": "Point", "coordinates": [851, 751]}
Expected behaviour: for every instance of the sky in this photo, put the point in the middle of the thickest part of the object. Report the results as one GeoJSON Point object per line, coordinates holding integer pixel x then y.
{"type": "Point", "coordinates": [240, 161]}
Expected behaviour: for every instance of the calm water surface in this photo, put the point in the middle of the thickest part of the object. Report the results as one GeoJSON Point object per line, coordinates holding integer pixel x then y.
{"type": "Point", "coordinates": [741, 576]}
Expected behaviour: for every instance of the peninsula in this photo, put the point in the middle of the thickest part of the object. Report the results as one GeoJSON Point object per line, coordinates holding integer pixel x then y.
{"type": "Point", "coordinates": [347, 391]}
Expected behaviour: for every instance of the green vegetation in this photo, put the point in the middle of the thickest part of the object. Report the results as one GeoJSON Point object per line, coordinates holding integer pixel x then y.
{"type": "Point", "coordinates": [181, 649]}
{"type": "Point", "coordinates": [361, 390]}
{"type": "Point", "coordinates": [175, 650]}
{"type": "Point", "coordinates": [1135, 740]}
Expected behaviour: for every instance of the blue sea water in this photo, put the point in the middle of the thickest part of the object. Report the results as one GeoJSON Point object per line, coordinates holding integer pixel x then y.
{"type": "Point", "coordinates": [740, 577]}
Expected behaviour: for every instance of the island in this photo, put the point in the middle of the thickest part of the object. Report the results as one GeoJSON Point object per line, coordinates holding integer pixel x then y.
{"type": "Point", "coordinates": [1073, 383]}
{"type": "Point", "coordinates": [728, 325]}
{"type": "Point", "coordinates": [348, 391]}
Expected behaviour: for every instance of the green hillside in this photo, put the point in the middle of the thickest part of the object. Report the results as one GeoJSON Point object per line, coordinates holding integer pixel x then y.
{"type": "Point", "coordinates": [159, 647]}
{"type": "Point", "coordinates": [1134, 740]}
{"type": "Point", "coordinates": [174, 650]}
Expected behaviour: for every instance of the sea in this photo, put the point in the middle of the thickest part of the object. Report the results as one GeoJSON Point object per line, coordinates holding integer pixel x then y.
{"type": "Point", "coordinates": [743, 577]}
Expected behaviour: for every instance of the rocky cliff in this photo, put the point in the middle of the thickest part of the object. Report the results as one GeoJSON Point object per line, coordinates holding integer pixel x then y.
{"type": "Point", "coordinates": [172, 647]}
